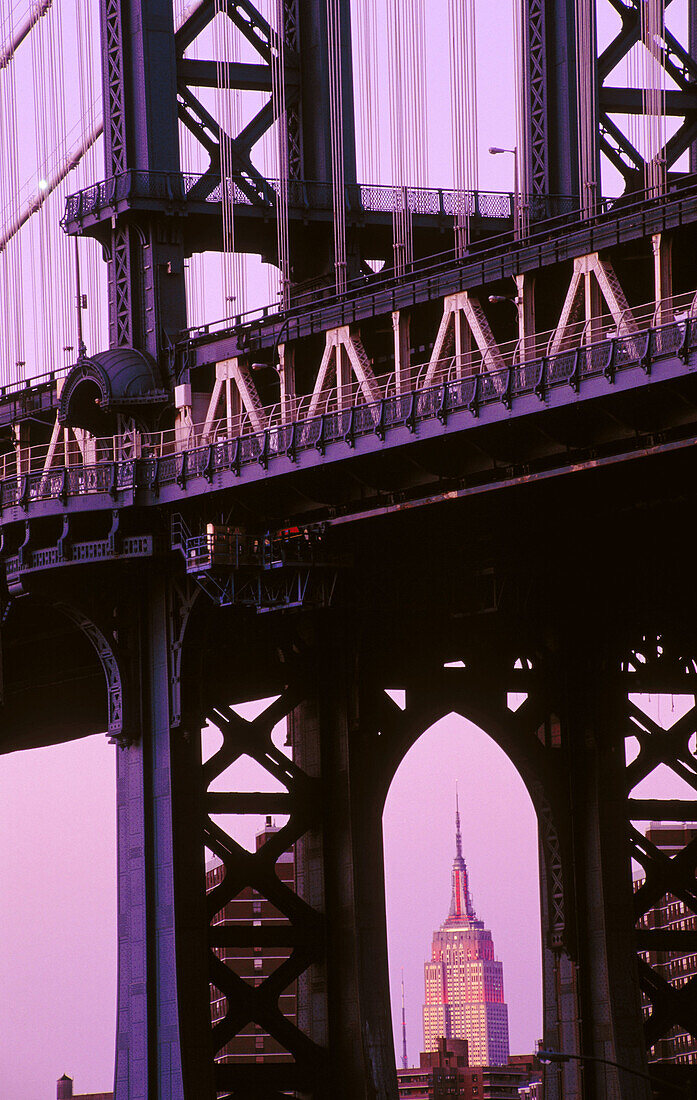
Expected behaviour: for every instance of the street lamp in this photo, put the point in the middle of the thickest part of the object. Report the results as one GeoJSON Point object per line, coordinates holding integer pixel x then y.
{"type": "Point", "coordinates": [560, 1056]}
{"type": "Point", "coordinates": [514, 299]}
{"type": "Point", "coordinates": [494, 150]}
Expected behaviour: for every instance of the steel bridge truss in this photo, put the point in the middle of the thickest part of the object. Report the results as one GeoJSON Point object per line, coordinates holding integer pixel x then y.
{"type": "Point", "coordinates": [677, 61]}
{"type": "Point", "coordinates": [651, 745]}
{"type": "Point", "coordinates": [553, 123]}
{"type": "Point", "coordinates": [344, 738]}
{"type": "Point", "coordinates": [239, 76]}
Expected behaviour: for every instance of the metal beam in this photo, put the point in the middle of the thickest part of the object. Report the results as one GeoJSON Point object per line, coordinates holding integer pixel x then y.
{"type": "Point", "coordinates": [631, 101]}
{"type": "Point", "coordinates": [244, 76]}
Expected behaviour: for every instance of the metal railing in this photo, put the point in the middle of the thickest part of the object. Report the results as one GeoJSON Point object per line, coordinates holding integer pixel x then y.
{"type": "Point", "coordinates": [315, 306]}
{"type": "Point", "coordinates": [305, 195]}
{"type": "Point", "coordinates": [154, 460]}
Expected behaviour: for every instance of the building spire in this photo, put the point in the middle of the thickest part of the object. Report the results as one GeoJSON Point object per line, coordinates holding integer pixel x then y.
{"type": "Point", "coordinates": [405, 1059]}
{"type": "Point", "coordinates": [458, 834]}
{"type": "Point", "coordinates": [461, 904]}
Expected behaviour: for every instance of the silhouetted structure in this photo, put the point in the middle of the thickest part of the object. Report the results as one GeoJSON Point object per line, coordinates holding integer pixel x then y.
{"type": "Point", "coordinates": [256, 963]}
{"type": "Point", "coordinates": [670, 914]}
{"type": "Point", "coordinates": [64, 1091]}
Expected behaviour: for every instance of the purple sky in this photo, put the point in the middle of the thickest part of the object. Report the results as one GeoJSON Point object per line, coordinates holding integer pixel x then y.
{"type": "Point", "coordinates": [57, 859]}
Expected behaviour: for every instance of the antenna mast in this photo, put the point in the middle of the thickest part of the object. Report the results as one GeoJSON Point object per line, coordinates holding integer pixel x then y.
{"type": "Point", "coordinates": [405, 1060]}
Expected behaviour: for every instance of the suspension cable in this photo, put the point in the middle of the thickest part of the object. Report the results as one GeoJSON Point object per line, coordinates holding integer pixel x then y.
{"type": "Point", "coordinates": [278, 98]}
{"type": "Point", "coordinates": [336, 117]}
{"type": "Point", "coordinates": [36, 10]}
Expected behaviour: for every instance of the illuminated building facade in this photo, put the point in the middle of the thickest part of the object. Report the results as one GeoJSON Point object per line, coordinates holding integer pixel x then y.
{"type": "Point", "coordinates": [463, 980]}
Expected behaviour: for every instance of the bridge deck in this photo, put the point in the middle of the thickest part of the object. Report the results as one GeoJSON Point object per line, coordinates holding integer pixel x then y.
{"type": "Point", "coordinates": [527, 420]}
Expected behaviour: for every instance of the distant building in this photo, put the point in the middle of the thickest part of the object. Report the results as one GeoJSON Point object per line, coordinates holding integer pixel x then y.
{"type": "Point", "coordinates": [444, 1074]}
{"type": "Point", "coordinates": [463, 980]}
{"type": "Point", "coordinates": [533, 1091]}
{"type": "Point", "coordinates": [253, 964]}
{"type": "Point", "coordinates": [678, 1046]}
{"type": "Point", "coordinates": [64, 1091]}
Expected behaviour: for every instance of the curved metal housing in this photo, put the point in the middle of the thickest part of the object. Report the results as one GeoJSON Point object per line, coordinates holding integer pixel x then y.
{"type": "Point", "coordinates": [121, 380]}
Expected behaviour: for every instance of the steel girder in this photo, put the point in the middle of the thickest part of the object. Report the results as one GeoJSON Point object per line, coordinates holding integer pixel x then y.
{"type": "Point", "coordinates": [550, 162]}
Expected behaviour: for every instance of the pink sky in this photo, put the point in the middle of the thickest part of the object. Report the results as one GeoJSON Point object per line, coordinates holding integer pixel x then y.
{"type": "Point", "coordinates": [58, 900]}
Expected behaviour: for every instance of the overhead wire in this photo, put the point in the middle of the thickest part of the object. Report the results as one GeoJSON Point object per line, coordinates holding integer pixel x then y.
{"type": "Point", "coordinates": [14, 39]}
{"type": "Point", "coordinates": [280, 114]}
{"type": "Point", "coordinates": [12, 346]}
{"type": "Point", "coordinates": [654, 95]}
{"type": "Point", "coordinates": [463, 113]}
{"type": "Point", "coordinates": [336, 126]}
{"type": "Point", "coordinates": [408, 100]}
{"type": "Point", "coordinates": [585, 35]}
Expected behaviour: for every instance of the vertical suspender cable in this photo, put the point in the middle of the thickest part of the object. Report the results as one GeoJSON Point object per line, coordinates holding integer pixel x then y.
{"type": "Point", "coordinates": [522, 181]}
{"type": "Point", "coordinates": [407, 95]}
{"type": "Point", "coordinates": [367, 89]}
{"type": "Point", "coordinates": [585, 92]}
{"type": "Point", "coordinates": [653, 95]}
{"type": "Point", "coordinates": [193, 160]}
{"type": "Point", "coordinates": [40, 257]}
{"type": "Point", "coordinates": [11, 269]}
{"type": "Point", "coordinates": [336, 119]}
{"type": "Point", "coordinates": [92, 274]}
{"type": "Point", "coordinates": [226, 170]}
{"type": "Point", "coordinates": [396, 84]}
{"type": "Point", "coordinates": [463, 106]}
{"type": "Point", "coordinates": [278, 97]}
{"type": "Point", "coordinates": [228, 106]}
{"type": "Point", "coordinates": [634, 69]}
{"type": "Point", "coordinates": [62, 247]}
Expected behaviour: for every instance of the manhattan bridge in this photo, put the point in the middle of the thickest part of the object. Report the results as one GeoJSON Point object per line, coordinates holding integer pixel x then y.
{"type": "Point", "coordinates": [452, 458]}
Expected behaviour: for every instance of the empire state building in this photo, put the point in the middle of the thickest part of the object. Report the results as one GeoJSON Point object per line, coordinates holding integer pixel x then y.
{"type": "Point", "coordinates": [464, 982]}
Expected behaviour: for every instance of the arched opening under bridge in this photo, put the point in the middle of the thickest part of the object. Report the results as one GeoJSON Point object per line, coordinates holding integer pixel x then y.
{"type": "Point", "coordinates": [500, 847]}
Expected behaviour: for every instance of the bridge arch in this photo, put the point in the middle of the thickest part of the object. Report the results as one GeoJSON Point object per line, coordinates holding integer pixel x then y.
{"type": "Point", "coordinates": [62, 685]}
{"type": "Point", "coordinates": [498, 816]}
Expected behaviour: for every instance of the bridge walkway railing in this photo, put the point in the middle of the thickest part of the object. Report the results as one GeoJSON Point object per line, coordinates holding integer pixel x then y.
{"type": "Point", "coordinates": [114, 463]}
{"type": "Point", "coordinates": [305, 195]}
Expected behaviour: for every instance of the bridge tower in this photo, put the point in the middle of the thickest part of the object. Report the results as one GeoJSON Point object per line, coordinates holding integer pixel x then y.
{"type": "Point", "coordinates": [577, 101]}
{"type": "Point", "coordinates": [150, 87]}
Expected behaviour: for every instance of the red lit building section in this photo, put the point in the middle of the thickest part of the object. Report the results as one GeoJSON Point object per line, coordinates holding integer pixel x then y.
{"type": "Point", "coordinates": [463, 980]}
{"type": "Point", "coordinates": [677, 969]}
{"type": "Point", "coordinates": [253, 964]}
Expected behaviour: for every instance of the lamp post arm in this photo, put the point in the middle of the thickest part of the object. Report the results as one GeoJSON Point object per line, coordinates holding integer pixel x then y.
{"type": "Point", "coordinates": [559, 1056]}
